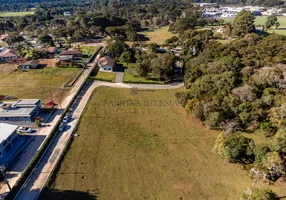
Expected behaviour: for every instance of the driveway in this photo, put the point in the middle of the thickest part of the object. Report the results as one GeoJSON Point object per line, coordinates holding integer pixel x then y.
{"type": "Point", "coordinates": [119, 77]}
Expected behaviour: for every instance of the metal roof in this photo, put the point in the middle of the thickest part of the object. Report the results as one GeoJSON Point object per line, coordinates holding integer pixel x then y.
{"type": "Point", "coordinates": [6, 130]}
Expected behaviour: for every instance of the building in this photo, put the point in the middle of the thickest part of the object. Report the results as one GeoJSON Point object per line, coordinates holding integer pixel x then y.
{"type": "Point", "coordinates": [8, 133]}
{"type": "Point", "coordinates": [70, 56]}
{"type": "Point", "coordinates": [3, 37]}
{"type": "Point", "coordinates": [106, 64]}
{"type": "Point", "coordinates": [23, 110]}
{"type": "Point", "coordinates": [67, 13]}
{"type": "Point", "coordinates": [8, 55]}
{"type": "Point", "coordinates": [50, 50]}
{"type": "Point", "coordinates": [31, 64]}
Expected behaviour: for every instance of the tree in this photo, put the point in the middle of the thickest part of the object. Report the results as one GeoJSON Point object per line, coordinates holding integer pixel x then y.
{"type": "Point", "coordinates": [280, 140]}
{"type": "Point", "coordinates": [14, 38]}
{"type": "Point", "coordinates": [45, 39]}
{"type": "Point", "coordinates": [260, 194]}
{"type": "Point", "coordinates": [125, 57]}
{"type": "Point", "coordinates": [277, 25]}
{"type": "Point", "coordinates": [235, 148]}
{"type": "Point", "coordinates": [243, 24]}
{"type": "Point", "coordinates": [142, 69]}
{"type": "Point", "coordinates": [271, 21]}
{"type": "Point", "coordinates": [116, 48]}
{"type": "Point", "coordinates": [274, 163]}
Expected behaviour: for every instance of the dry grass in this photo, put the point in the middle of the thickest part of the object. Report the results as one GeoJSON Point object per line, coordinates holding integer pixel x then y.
{"type": "Point", "coordinates": [7, 68]}
{"type": "Point", "coordinates": [145, 152]}
{"type": "Point", "coordinates": [159, 35]}
{"type": "Point", "coordinates": [37, 83]}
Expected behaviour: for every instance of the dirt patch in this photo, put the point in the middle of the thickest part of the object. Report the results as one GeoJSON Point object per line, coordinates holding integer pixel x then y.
{"type": "Point", "coordinates": [48, 62]}
{"type": "Point", "coordinates": [7, 68]}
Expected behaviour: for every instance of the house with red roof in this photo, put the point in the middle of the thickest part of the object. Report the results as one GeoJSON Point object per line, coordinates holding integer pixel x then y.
{"type": "Point", "coordinates": [8, 55]}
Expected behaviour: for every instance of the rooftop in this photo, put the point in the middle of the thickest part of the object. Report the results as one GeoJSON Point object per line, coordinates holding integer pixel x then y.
{"type": "Point", "coordinates": [32, 62]}
{"type": "Point", "coordinates": [21, 108]}
{"type": "Point", "coordinates": [6, 130]}
{"type": "Point", "coordinates": [71, 52]}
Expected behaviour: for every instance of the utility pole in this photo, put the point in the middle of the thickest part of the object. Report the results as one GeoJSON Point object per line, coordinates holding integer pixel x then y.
{"type": "Point", "coordinates": [2, 168]}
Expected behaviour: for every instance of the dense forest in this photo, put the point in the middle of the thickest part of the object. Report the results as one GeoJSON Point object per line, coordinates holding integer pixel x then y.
{"type": "Point", "coordinates": [239, 88]}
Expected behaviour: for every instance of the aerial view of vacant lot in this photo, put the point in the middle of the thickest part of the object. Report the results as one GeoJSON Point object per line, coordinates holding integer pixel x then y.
{"type": "Point", "coordinates": [36, 83]}
{"type": "Point", "coordinates": [148, 148]}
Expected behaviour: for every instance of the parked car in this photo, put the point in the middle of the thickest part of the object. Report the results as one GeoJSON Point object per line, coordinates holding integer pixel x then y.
{"type": "Point", "coordinates": [66, 119]}
{"type": "Point", "coordinates": [62, 126]}
{"type": "Point", "coordinates": [25, 130]}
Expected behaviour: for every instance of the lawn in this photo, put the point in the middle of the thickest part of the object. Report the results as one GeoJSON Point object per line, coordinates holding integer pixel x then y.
{"type": "Point", "coordinates": [159, 35]}
{"type": "Point", "coordinates": [281, 19]}
{"type": "Point", "coordinates": [262, 20]}
{"type": "Point", "coordinates": [38, 83]}
{"type": "Point", "coordinates": [129, 76]}
{"type": "Point", "coordinates": [15, 14]}
{"type": "Point", "coordinates": [144, 151]}
{"type": "Point", "coordinates": [106, 76]}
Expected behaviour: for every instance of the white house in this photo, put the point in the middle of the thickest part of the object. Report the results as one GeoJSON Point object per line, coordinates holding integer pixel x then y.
{"type": "Point", "coordinates": [106, 64]}
{"type": "Point", "coordinates": [8, 133]}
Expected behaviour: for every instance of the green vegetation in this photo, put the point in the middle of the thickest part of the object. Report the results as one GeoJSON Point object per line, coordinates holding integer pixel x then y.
{"type": "Point", "coordinates": [157, 35]}
{"type": "Point", "coordinates": [281, 19]}
{"type": "Point", "coordinates": [106, 76]}
{"type": "Point", "coordinates": [237, 87]}
{"type": "Point", "coordinates": [15, 14]}
{"type": "Point", "coordinates": [131, 76]}
{"type": "Point", "coordinates": [134, 146]}
{"type": "Point", "coordinates": [37, 83]}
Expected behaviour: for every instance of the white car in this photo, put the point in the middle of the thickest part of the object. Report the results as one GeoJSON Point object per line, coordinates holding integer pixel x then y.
{"type": "Point", "coordinates": [66, 119]}
{"type": "Point", "coordinates": [62, 126]}
{"type": "Point", "coordinates": [25, 130]}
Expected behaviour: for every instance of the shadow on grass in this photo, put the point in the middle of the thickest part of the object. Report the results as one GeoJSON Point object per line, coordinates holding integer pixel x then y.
{"type": "Point", "coordinates": [143, 38]}
{"type": "Point", "coordinates": [68, 195]}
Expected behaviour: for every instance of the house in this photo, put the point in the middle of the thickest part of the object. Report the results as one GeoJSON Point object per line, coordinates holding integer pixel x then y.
{"type": "Point", "coordinates": [106, 64]}
{"type": "Point", "coordinates": [8, 55]}
{"type": "Point", "coordinates": [50, 50]}
{"type": "Point", "coordinates": [3, 37]}
{"type": "Point", "coordinates": [70, 56]}
{"type": "Point", "coordinates": [31, 64]}
{"type": "Point", "coordinates": [67, 13]}
{"type": "Point", "coordinates": [7, 137]}
{"type": "Point", "coordinates": [23, 110]}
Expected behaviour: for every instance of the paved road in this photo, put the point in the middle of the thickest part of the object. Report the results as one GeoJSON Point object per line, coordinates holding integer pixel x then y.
{"type": "Point", "coordinates": [42, 172]}
{"type": "Point", "coordinates": [140, 86]}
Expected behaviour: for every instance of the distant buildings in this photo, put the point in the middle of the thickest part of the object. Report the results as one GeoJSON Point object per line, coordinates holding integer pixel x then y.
{"type": "Point", "coordinates": [23, 110]}
{"type": "Point", "coordinates": [8, 134]}
{"type": "Point", "coordinates": [230, 12]}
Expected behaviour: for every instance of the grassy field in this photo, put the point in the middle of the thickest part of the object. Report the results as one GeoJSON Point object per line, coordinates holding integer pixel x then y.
{"type": "Point", "coordinates": [37, 83]}
{"type": "Point", "coordinates": [15, 14]}
{"type": "Point", "coordinates": [106, 76]}
{"type": "Point", "coordinates": [144, 151]}
{"type": "Point", "coordinates": [158, 35]}
{"type": "Point", "coordinates": [130, 78]}
{"type": "Point", "coordinates": [262, 20]}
